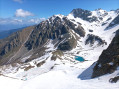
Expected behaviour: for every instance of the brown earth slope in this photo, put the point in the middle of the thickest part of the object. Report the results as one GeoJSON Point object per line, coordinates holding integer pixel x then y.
{"type": "Point", "coordinates": [13, 44]}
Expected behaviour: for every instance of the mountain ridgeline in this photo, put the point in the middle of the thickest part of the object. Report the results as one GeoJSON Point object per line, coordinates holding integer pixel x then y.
{"type": "Point", "coordinates": [84, 14]}
{"type": "Point", "coordinates": [32, 39]}
{"type": "Point", "coordinates": [56, 29]}
{"type": "Point", "coordinates": [81, 31]}
{"type": "Point", "coordinates": [109, 59]}
{"type": "Point", "coordinates": [11, 45]}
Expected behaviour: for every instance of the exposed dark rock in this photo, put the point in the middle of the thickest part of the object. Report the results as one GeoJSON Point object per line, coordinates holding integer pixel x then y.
{"type": "Point", "coordinates": [28, 68]}
{"type": "Point", "coordinates": [40, 63]}
{"type": "Point", "coordinates": [84, 14]}
{"type": "Point", "coordinates": [10, 45]}
{"type": "Point", "coordinates": [36, 53]}
{"type": "Point", "coordinates": [19, 45]}
{"type": "Point", "coordinates": [109, 59]}
{"type": "Point", "coordinates": [91, 39]}
{"type": "Point", "coordinates": [68, 45]}
{"type": "Point", "coordinates": [51, 29]}
{"type": "Point", "coordinates": [58, 53]}
{"type": "Point", "coordinates": [114, 80]}
{"type": "Point", "coordinates": [104, 24]}
{"type": "Point", "coordinates": [117, 11]}
{"type": "Point", "coordinates": [109, 19]}
{"type": "Point", "coordinates": [90, 30]}
{"type": "Point", "coordinates": [53, 58]}
{"type": "Point", "coordinates": [113, 23]}
{"type": "Point", "coordinates": [79, 30]}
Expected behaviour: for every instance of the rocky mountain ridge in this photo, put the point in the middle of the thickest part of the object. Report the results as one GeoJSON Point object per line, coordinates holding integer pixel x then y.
{"type": "Point", "coordinates": [109, 59]}
{"type": "Point", "coordinates": [60, 38]}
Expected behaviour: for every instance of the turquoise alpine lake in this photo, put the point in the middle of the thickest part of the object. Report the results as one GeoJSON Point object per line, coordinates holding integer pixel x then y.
{"type": "Point", "coordinates": [78, 58]}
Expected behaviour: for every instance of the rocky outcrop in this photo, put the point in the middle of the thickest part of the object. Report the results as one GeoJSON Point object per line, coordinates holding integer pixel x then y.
{"type": "Point", "coordinates": [84, 14]}
{"type": "Point", "coordinates": [68, 45]}
{"type": "Point", "coordinates": [117, 11]}
{"type": "Point", "coordinates": [55, 28]}
{"type": "Point", "coordinates": [91, 39]}
{"type": "Point", "coordinates": [32, 40]}
{"type": "Point", "coordinates": [114, 80]}
{"type": "Point", "coordinates": [109, 59]}
{"type": "Point", "coordinates": [113, 23]}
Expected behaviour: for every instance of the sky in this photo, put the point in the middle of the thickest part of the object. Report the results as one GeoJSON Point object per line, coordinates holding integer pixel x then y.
{"type": "Point", "coordinates": [34, 11]}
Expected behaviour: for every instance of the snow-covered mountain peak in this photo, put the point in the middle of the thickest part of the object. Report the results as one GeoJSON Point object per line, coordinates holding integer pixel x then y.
{"type": "Point", "coordinates": [58, 15]}
{"type": "Point", "coordinates": [98, 15]}
{"type": "Point", "coordinates": [99, 12]}
{"type": "Point", "coordinates": [53, 45]}
{"type": "Point", "coordinates": [55, 18]}
{"type": "Point", "coordinates": [117, 11]}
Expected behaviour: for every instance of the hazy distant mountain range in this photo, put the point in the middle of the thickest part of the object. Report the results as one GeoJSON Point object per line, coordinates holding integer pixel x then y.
{"type": "Point", "coordinates": [53, 44]}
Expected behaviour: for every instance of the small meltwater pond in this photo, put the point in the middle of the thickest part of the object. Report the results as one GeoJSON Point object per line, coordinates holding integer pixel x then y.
{"type": "Point", "coordinates": [78, 58]}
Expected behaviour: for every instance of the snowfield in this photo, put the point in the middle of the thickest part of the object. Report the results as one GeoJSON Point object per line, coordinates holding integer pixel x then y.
{"type": "Point", "coordinates": [66, 72]}
{"type": "Point", "coordinates": [58, 80]}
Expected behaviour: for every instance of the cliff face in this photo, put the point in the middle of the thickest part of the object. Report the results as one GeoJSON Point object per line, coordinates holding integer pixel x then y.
{"type": "Point", "coordinates": [55, 28]}
{"type": "Point", "coordinates": [113, 23]}
{"type": "Point", "coordinates": [12, 44]}
{"type": "Point", "coordinates": [109, 59]}
{"type": "Point", "coordinates": [84, 14]}
{"type": "Point", "coordinates": [91, 39]}
{"type": "Point", "coordinates": [56, 42]}
{"type": "Point", "coordinates": [32, 40]}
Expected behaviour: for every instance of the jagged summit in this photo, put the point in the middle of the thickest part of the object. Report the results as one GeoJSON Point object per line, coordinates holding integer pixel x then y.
{"type": "Point", "coordinates": [117, 11]}
{"type": "Point", "coordinates": [81, 13]}
{"type": "Point", "coordinates": [98, 9]}
{"type": "Point", "coordinates": [109, 60]}
{"type": "Point", "coordinates": [54, 16]}
{"type": "Point", "coordinates": [97, 15]}
{"type": "Point", "coordinates": [54, 45]}
{"type": "Point", "coordinates": [62, 30]}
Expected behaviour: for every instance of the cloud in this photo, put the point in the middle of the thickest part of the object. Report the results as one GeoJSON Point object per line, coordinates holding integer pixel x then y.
{"type": "Point", "coordinates": [10, 21]}
{"type": "Point", "coordinates": [21, 21]}
{"type": "Point", "coordinates": [23, 13]}
{"type": "Point", "coordinates": [19, 1]}
{"type": "Point", "coordinates": [13, 23]}
{"type": "Point", "coordinates": [36, 20]}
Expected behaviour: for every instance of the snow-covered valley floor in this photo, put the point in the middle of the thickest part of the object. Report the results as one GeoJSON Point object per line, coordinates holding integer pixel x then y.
{"type": "Point", "coordinates": [59, 79]}
{"type": "Point", "coordinates": [65, 72]}
{"type": "Point", "coordinates": [64, 75]}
